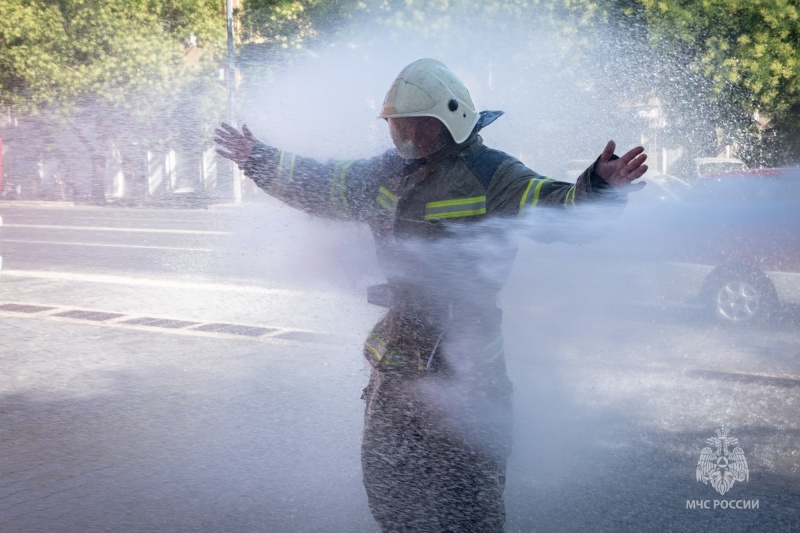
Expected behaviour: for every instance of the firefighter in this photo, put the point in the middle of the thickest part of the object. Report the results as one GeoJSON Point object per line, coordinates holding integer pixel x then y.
{"type": "Point", "coordinates": [444, 211]}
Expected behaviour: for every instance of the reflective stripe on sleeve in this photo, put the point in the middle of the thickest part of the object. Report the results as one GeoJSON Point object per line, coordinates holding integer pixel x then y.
{"type": "Point", "coordinates": [282, 160]}
{"type": "Point", "coordinates": [291, 167]}
{"type": "Point", "coordinates": [536, 184]}
{"type": "Point", "coordinates": [279, 179]}
{"type": "Point", "coordinates": [338, 198]}
{"type": "Point", "coordinates": [280, 163]}
{"type": "Point", "coordinates": [525, 197]}
{"type": "Point", "coordinates": [462, 207]}
{"type": "Point", "coordinates": [386, 199]}
{"type": "Point", "coordinates": [570, 196]}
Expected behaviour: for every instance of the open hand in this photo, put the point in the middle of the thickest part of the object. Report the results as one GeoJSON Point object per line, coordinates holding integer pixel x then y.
{"type": "Point", "coordinates": [621, 172]}
{"type": "Point", "coordinates": [234, 145]}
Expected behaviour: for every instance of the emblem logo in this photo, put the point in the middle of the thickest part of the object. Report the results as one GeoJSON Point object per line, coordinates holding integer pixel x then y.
{"type": "Point", "coordinates": [721, 466]}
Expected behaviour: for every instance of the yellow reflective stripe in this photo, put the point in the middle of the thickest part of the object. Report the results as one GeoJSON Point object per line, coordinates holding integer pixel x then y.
{"type": "Point", "coordinates": [494, 356]}
{"type": "Point", "coordinates": [536, 193]}
{"type": "Point", "coordinates": [280, 163]}
{"type": "Point", "coordinates": [291, 166]}
{"type": "Point", "coordinates": [538, 190]}
{"type": "Point", "coordinates": [495, 342]}
{"type": "Point", "coordinates": [379, 356]}
{"type": "Point", "coordinates": [461, 207]}
{"type": "Point", "coordinates": [338, 199]}
{"type": "Point", "coordinates": [333, 185]}
{"type": "Point", "coordinates": [381, 359]}
{"type": "Point", "coordinates": [275, 182]}
{"type": "Point", "coordinates": [374, 351]}
{"type": "Point", "coordinates": [457, 201]}
{"type": "Point", "coordinates": [342, 196]}
{"type": "Point", "coordinates": [388, 194]}
{"type": "Point", "coordinates": [525, 197]}
{"type": "Point", "coordinates": [571, 191]}
{"type": "Point", "coordinates": [377, 351]}
{"type": "Point", "coordinates": [386, 199]}
{"type": "Point", "coordinates": [456, 214]}
{"type": "Point", "coordinates": [496, 345]}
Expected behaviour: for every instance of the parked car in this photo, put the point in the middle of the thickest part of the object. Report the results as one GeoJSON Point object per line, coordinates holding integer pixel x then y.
{"type": "Point", "coordinates": [706, 167]}
{"type": "Point", "coordinates": [743, 233]}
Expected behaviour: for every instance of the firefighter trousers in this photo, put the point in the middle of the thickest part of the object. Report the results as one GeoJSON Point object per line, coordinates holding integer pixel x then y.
{"type": "Point", "coordinates": [430, 465]}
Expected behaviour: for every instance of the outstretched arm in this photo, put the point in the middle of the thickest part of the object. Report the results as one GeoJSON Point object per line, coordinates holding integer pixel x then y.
{"type": "Point", "coordinates": [584, 210]}
{"type": "Point", "coordinates": [333, 189]}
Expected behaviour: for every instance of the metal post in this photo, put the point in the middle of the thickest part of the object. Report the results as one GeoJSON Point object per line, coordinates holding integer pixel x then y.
{"type": "Point", "coordinates": [231, 84]}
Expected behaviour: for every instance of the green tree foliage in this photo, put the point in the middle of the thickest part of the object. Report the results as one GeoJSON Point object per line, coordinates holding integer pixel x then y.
{"type": "Point", "coordinates": [742, 54]}
{"type": "Point", "coordinates": [54, 52]}
{"type": "Point", "coordinates": [724, 60]}
{"type": "Point", "coordinates": [289, 23]}
{"type": "Point", "coordinates": [113, 70]}
{"type": "Point", "coordinates": [748, 49]}
{"type": "Point", "coordinates": [748, 52]}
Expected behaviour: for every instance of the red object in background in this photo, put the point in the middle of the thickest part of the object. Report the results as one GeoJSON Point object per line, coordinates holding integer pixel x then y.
{"type": "Point", "coordinates": [755, 172]}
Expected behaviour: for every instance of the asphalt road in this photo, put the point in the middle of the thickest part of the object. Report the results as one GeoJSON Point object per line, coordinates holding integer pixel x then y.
{"type": "Point", "coordinates": [265, 243]}
{"type": "Point", "coordinates": [93, 239]}
{"type": "Point", "coordinates": [105, 426]}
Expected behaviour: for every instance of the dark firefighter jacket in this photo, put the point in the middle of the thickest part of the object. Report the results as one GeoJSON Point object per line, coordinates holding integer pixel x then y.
{"type": "Point", "coordinates": [445, 231]}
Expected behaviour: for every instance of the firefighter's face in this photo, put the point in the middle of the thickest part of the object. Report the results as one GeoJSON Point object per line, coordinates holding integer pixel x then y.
{"type": "Point", "coordinates": [416, 137]}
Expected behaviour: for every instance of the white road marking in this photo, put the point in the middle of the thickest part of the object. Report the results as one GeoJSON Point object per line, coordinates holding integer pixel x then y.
{"type": "Point", "coordinates": [111, 228]}
{"type": "Point", "coordinates": [153, 282]}
{"type": "Point", "coordinates": [103, 245]}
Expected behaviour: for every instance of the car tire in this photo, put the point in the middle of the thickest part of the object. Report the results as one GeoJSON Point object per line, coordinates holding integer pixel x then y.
{"type": "Point", "coordinates": [739, 295]}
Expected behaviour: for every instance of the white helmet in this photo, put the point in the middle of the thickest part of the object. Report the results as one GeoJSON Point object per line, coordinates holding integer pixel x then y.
{"type": "Point", "coordinates": [427, 88]}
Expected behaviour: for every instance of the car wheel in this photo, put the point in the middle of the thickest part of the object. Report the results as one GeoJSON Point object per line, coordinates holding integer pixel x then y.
{"type": "Point", "coordinates": [739, 295]}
